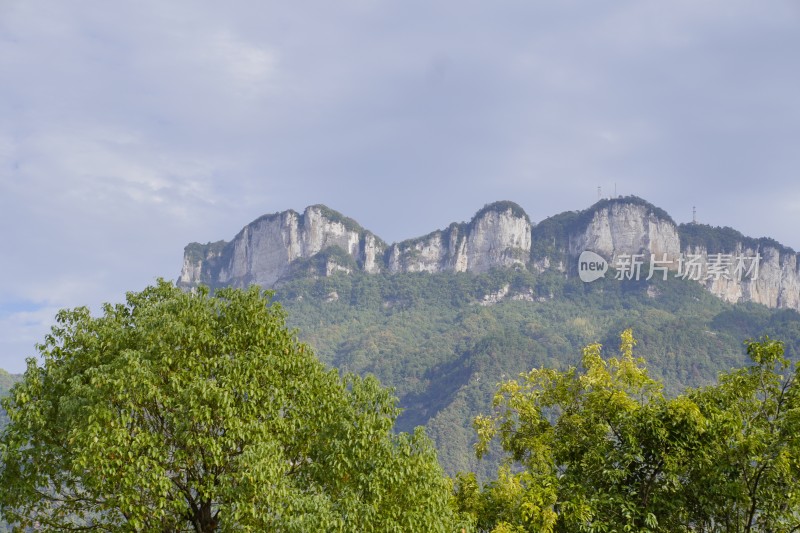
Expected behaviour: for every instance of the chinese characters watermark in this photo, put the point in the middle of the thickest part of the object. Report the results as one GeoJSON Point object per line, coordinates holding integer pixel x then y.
{"type": "Point", "coordinates": [695, 267]}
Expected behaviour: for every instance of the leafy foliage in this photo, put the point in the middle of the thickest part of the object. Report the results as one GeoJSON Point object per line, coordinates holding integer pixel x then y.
{"type": "Point", "coordinates": [602, 449]}
{"type": "Point", "coordinates": [6, 382]}
{"type": "Point", "coordinates": [185, 411]}
{"type": "Point", "coordinates": [267, 439]}
{"type": "Point", "coordinates": [746, 474]}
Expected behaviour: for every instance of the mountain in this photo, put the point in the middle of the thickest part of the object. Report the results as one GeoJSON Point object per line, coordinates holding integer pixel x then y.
{"type": "Point", "coordinates": [443, 318]}
{"type": "Point", "coordinates": [323, 241]}
{"type": "Point", "coordinates": [623, 231]}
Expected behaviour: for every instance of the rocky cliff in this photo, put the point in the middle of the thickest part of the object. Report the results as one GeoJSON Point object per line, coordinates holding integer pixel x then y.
{"type": "Point", "coordinates": [632, 235]}
{"type": "Point", "coordinates": [321, 241]}
{"type": "Point", "coordinates": [268, 248]}
{"type": "Point", "coordinates": [626, 231]}
{"type": "Point", "coordinates": [627, 228]}
{"type": "Point", "coordinates": [499, 235]}
{"type": "Point", "coordinates": [775, 277]}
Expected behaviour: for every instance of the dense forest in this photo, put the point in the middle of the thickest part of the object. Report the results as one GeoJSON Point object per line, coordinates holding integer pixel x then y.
{"type": "Point", "coordinates": [444, 341]}
{"type": "Point", "coordinates": [203, 411]}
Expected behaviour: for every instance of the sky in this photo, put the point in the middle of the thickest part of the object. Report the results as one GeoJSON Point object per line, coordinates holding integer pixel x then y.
{"type": "Point", "coordinates": [130, 128]}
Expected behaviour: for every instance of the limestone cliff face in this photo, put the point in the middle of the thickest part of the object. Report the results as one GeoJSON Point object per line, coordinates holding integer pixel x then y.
{"type": "Point", "coordinates": [499, 235]}
{"type": "Point", "coordinates": [627, 228]}
{"type": "Point", "coordinates": [265, 250]}
{"type": "Point", "coordinates": [435, 252]}
{"type": "Point", "coordinates": [774, 282]}
{"type": "Point", "coordinates": [197, 263]}
{"type": "Point", "coordinates": [322, 242]}
{"type": "Point", "coordinates": [623, 227]}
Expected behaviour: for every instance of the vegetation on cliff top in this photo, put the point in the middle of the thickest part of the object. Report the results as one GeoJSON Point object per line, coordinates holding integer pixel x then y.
{"type": "Point", "coordinates": [196, 252]}
{"type": "Point", "coordinates": [724, 240]}
{"type": "Point", "coordinates": [587, 214]}
{"type": "Point", "coordinates": [501, 207]}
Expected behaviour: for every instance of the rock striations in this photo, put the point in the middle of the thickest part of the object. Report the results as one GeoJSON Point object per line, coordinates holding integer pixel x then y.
{"type": "Point", "coordinates": [321, 241]}
{"type": "Point", "coordinates": [499, 235]}
{"type": "Point", "coordinates": [266, 249]}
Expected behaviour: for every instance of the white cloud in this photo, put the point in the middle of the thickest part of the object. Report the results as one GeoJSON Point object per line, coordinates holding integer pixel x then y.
{"type": "Point", "coordinates": [19, 333]}
{"type": "Point", "coordinates": [251, 68]}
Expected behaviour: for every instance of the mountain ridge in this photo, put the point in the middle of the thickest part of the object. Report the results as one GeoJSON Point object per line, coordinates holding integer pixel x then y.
{"type": "Point", "coordinates": [280, 246]}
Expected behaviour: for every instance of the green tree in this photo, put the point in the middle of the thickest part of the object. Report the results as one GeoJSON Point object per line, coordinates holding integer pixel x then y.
{"type": "Point", "coordinates": [603, 449]}
{"type": "Point", "coordinates": [747, 474]}
{"type": "Point", "coordinates": [184, 411]}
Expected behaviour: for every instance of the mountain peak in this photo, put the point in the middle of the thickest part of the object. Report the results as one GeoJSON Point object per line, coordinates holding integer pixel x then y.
{"type": "Point", "coordinates": [502, 206]}
{"type": "Point", "coordinates": [322, 241]}
{"type": "Point", "coordinates": [630, 200]}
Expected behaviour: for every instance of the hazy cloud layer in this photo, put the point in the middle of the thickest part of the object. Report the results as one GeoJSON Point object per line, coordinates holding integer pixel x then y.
{"type": "Point", "coordinates": [129, 129]}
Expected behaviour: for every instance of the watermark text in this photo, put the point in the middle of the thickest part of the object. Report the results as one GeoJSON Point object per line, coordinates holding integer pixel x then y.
{"type": "Point", "coordinates": [695, 267]}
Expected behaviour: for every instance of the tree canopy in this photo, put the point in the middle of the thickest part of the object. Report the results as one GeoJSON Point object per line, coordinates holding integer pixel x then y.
{"type": "Point", "coordinates": [602, 449]}
{"type": "Point", "coordinates": [181, 411]}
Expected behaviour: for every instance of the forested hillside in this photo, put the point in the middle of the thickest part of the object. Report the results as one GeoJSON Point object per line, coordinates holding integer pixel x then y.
{"type": "Point", "coordinates": [444, 341]}
{"type": "Point", "coordinates": [6, 382]}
